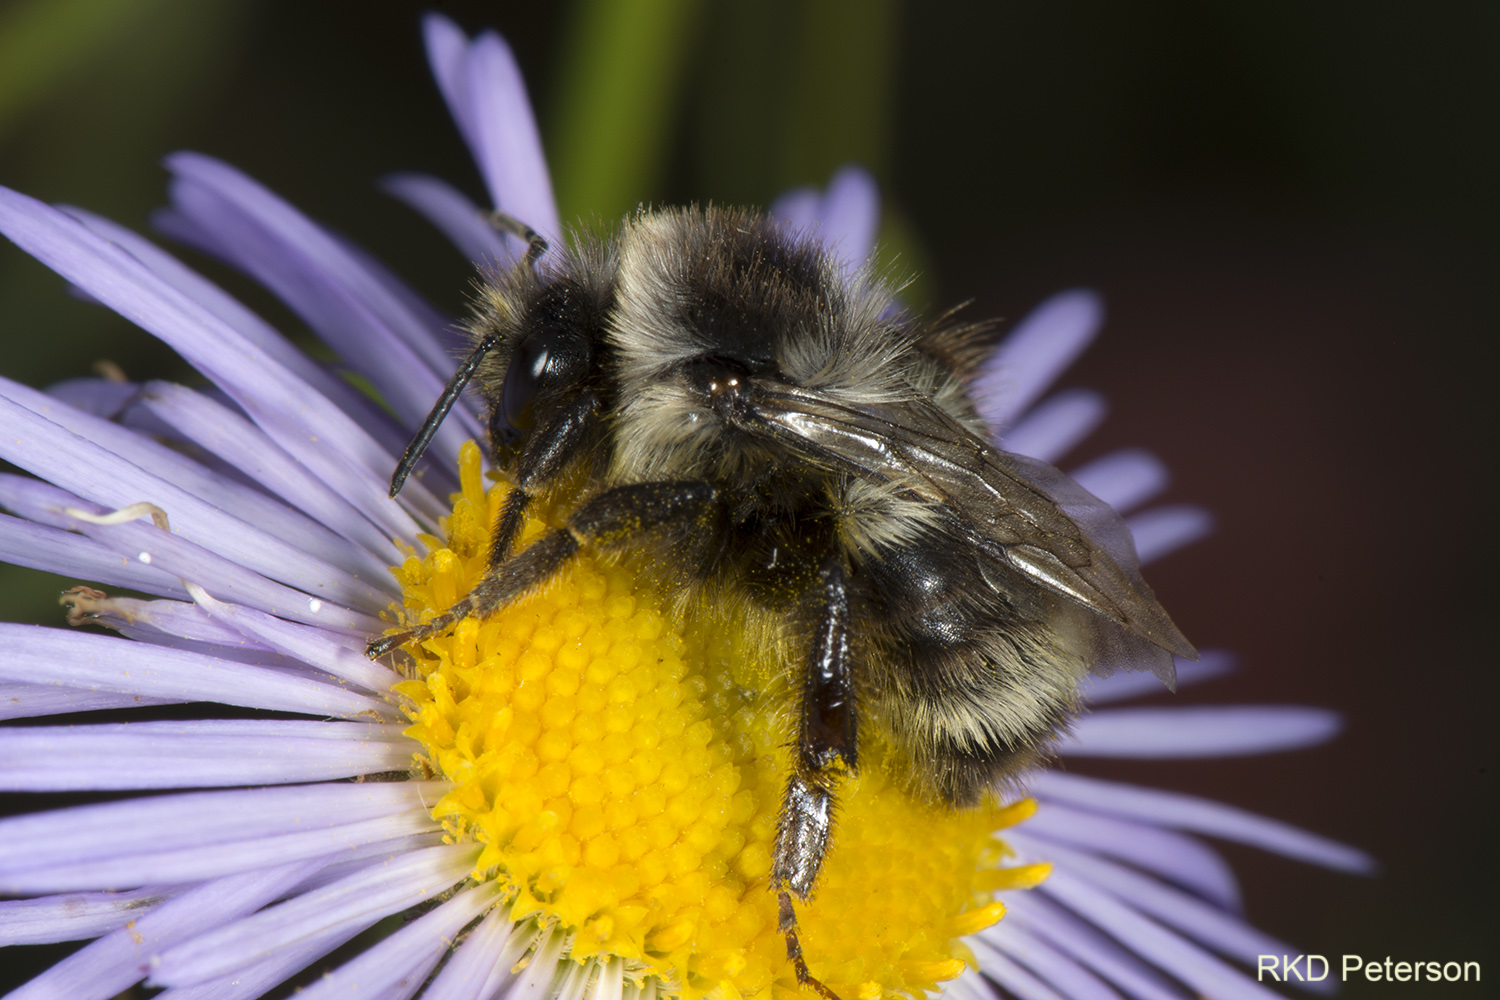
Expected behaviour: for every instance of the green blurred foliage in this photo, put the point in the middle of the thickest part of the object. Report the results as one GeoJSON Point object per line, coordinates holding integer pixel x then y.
{"type": "Point", "coordinates": [89, 92]}
{"type": "Point", "coordinates": [42, 42]}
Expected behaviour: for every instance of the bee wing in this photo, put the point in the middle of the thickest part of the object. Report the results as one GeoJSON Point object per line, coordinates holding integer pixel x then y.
{"type": "Point", "coordinates": [1018, 512]}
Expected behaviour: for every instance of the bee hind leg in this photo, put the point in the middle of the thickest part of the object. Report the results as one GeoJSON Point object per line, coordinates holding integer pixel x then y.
{"type": "Point", "coordinates": [827, 748]}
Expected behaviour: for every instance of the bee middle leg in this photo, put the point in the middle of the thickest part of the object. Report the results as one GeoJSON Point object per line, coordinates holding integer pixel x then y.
{"type": "Point", "coordinates": [827, 749]}
{"type": "Point", "coordinates": [690, 512]}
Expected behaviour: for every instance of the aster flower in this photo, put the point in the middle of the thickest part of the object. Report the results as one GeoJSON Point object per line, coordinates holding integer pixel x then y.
{"type": "Point", "coordinates": [565, 800]}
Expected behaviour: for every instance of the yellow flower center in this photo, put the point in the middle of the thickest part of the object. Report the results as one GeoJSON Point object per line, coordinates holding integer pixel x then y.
{"type": "Point", "coordinates": [624, 767]}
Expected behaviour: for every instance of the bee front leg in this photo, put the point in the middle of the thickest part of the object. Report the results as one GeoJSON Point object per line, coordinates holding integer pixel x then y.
{"type": "Point", "coordinates": [545, 455]}
{"type": "Point", "coordinates": [827, 748]}
{"type": "Point", "coordinates": [542, 460]}
{"type": "Point", "coordinates": [689, 514]}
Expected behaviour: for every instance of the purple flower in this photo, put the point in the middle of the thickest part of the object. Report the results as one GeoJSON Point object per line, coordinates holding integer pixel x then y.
{"type": "Point", "coordinates": [254, 512]}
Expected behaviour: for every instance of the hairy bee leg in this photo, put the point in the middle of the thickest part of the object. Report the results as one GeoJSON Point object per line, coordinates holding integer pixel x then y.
{"type": "Point", "coordinates": [827, 748]}
{"type": "Point", "coordinates": [611, 520]}
{"type": "Point", "coordinates": [439, 411]}
{"type": "Point", "coordinates": [545, 455]}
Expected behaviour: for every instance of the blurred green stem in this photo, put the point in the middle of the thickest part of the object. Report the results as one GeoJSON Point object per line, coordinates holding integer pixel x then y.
{"type": "Point", "coordinates": [617, 97]}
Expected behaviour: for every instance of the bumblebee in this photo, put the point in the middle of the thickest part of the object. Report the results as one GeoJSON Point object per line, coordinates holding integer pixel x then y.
{"type": "Point", "coordinates": [768, 430]}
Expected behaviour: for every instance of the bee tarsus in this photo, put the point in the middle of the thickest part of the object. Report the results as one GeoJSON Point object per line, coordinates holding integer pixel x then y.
{"type": "Point", "coordinates": [787, 924]}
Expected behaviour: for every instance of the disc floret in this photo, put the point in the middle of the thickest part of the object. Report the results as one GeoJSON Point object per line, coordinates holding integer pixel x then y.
{"type": "Point", "coordinates": [623, 767]}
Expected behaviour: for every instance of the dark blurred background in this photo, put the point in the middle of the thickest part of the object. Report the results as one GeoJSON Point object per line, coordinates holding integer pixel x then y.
{"type": "Point", "coordinates": [1290, 209]}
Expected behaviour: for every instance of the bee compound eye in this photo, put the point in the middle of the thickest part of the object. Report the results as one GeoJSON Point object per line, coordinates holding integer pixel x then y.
{"type": "Point", "coordinates": [503, 433]}
{"type": "Point", "coordinates": [550, 358]}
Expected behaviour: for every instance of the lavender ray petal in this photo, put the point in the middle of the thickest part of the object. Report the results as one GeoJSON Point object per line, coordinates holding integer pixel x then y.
{"type": "Point", "coordinates": [574, 980]}
{"type": "Point", "coordinates": [24, 543]}
{"type": "Point", "coordinates": [1123, 479]}
{"type": "Point", "coordinates": [28, 701]}
{"type": "Point", "coordinates": [202, 503]}
{"type": "Point", "coordinates": [317, 433]}
{"type": "Point", "coordinates": [257, 979]}
{"type": "Point", "coordinates": [149, 544]}
{"type": "Point", "coordinates": [850, 216]}
{"type": "Point", "coordinates": [523, 940]}
{"type": "Point", "coordinates": [162, 621]}
{"type": "Point", "coordinates": [1175, 856]}
{"type": "Point", "coordinates": [344, 303]}
{"type": "Point", "coordinates": [504, 140]}
{"type": "Point", "coordinates": [379, 891]}
{"type": "Point", "coordinates": [74, 916]}
{"type": "Point", "coordinates": [1056, 425]}
{"type": "Point", "coordinates": [611, 982]}
{"type": "Point", "coordinates": [1199, 731]}
{"type": "Point", "coordinates": [223, 432]}
{"type": "Point", "coordinates": [101, 397]}
{"type": "Point", "coordinates": [1156, 944]}
{"type": "Point", "coordinates": [1043, 343]}
{"type": "Point", "coordinates": [465, 224]}
{"type": "Point", "coordinates": [173, 839]}
{"type": "Point", "coordinates": [1033, 913]}
{"type": "Point", "coordinates": [343, 658]}
{"type": "Point", "coordinates": [242, 649]}
{"type": "Point", "coordinates": [1012, 976]}
{"type": "Point", "coordinates": [358, 858]}
{"type": "Point", "coordinates": [36, 654]}
{"type": "Point", "coordinates": [407, 987]}
{"type": "Point", "coordinates": [537, 977]}
{"type": "Point", "coordinates": [446, 341]}
{"type": "Point", "coordinates": [797, 209]}
{"type": "Point", "coordinates": [1187, 812]}
{"type": "Point", "coordinates": [250, 326]}
{"type": "Point", "coordinates": [1161, 531]}
{"type": "Point", "coordinates": [199, 754]}
{"type": "Point", "coordinates": [447, 50]}
{"type": "Point", "coordinates": [144, 543]}
{"type": "Point", "coordinates": [422, 941]}
{"type": "Point", "coordinates": [844, 218]}
{"type": "Point", "coordinates": [1007, 953]}
{"type": "Point", "coordinates": [474, 963]}
{"type": "Point", "coordinates": [141, 419]}
{"type": "Point", "coordinates": [971, 985]}
{"type": "Point", "coordinates": [1122, 686]}
{"type": "Point", "coordinates": [210, 191]}
{"type": "Point", "coordinates": [115, 962]}
{"type": "Point", "coordinates": [1225, 933]}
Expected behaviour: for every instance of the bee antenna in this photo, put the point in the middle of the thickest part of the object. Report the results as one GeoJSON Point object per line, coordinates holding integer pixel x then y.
{"type": "Point", "coordinates": [451, 392]}
{"type": "Point", "coordinates": [535, 244]}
